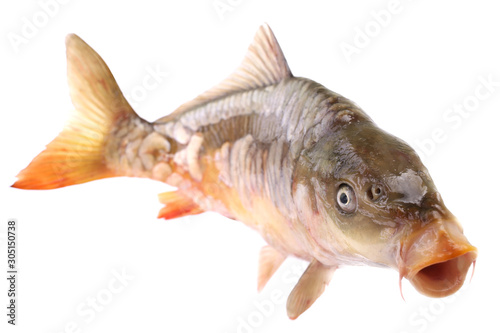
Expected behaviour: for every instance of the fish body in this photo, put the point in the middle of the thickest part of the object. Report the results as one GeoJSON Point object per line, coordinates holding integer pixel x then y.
{"type": "Point", "coordinates": [303, 166]}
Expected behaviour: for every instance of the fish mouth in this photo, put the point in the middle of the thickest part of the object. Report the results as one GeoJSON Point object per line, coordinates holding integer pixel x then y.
{"type": "Point", "coordinates": [436, 258]}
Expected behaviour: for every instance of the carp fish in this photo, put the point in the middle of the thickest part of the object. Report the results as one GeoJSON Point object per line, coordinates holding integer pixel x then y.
{"type": "Point", "coordinates": [303, 166]}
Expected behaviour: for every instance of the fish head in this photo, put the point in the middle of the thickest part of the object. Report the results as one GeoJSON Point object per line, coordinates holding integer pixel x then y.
{"type": "Point", "coordinates": [375, 200]}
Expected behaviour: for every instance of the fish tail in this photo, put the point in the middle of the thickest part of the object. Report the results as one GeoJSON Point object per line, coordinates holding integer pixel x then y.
{"type": "Point", "coordinates": [79, 153]}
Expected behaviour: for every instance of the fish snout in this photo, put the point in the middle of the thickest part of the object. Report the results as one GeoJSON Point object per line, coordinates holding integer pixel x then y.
{"type": "Point", "coordinates": [436, 258]}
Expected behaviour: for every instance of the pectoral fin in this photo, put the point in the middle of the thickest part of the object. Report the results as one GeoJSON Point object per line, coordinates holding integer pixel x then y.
{"type": "Point", "coordinates": [269, 262]}
{"type": "Point", "coordinates": [310, 286]}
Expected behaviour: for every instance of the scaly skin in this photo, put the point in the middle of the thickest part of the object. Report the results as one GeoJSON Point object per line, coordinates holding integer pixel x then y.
{"type": "Point", "coordinates": [247, 149]}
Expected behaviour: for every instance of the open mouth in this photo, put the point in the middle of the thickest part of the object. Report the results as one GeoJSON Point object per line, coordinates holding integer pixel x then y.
{"type": "Point", "coordinates": [437, 258]}
{"type": "Point", "coordinates": [443, 278]}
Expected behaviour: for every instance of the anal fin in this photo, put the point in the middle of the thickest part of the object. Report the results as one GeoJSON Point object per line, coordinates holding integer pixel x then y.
{"type": "Point", "coordinates": [269, 262]}
{"type": "Point", "coordinates": [177, 205]}
{"type": "Point", "coordinates": [310, 286]}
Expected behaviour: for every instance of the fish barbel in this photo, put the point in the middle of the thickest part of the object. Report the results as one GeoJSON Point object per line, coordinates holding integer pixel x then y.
{"type": "Point", "coordinates": [300, 164]}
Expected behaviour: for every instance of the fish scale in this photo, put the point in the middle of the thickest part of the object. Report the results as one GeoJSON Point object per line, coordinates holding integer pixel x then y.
{"type": "Point", "coordinates": [242, 121]}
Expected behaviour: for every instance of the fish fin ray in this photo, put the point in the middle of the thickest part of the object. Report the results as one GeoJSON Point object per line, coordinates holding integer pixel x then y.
{"type": "Point", "coordinates": [310, 286]}
{"type": "Point", "coordinates": [269, 262]}
{"type": "Point", "coordinates": [177, 205]}
{"type": "Point", "coordinates": [77, 154]}
{"type": "Point", "coordinates": [263, 65]}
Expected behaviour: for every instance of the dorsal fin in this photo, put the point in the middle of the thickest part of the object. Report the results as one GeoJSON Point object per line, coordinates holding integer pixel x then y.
{"type": "Point", "coordinates": [263, 65]}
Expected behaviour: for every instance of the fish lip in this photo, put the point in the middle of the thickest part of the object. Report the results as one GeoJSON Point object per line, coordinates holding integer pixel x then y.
{"type": "Point", "coordinates": [436, 258]}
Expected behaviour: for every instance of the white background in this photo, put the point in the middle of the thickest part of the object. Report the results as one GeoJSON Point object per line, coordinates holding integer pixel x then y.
{"type": "Point", "coordinates": [198, 274]}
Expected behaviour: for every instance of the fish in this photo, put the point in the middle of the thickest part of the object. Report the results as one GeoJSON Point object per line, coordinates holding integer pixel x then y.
{"type": "Point", "coordinates": [303, 166]}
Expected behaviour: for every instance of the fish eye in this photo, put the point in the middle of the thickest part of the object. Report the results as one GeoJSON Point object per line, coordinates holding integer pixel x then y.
{"type": "Point", "coordinates": [346, 199]}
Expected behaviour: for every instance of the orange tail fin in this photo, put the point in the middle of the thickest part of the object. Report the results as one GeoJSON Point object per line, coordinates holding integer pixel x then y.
{"type": "Point", "coordinates": [77, 154]}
